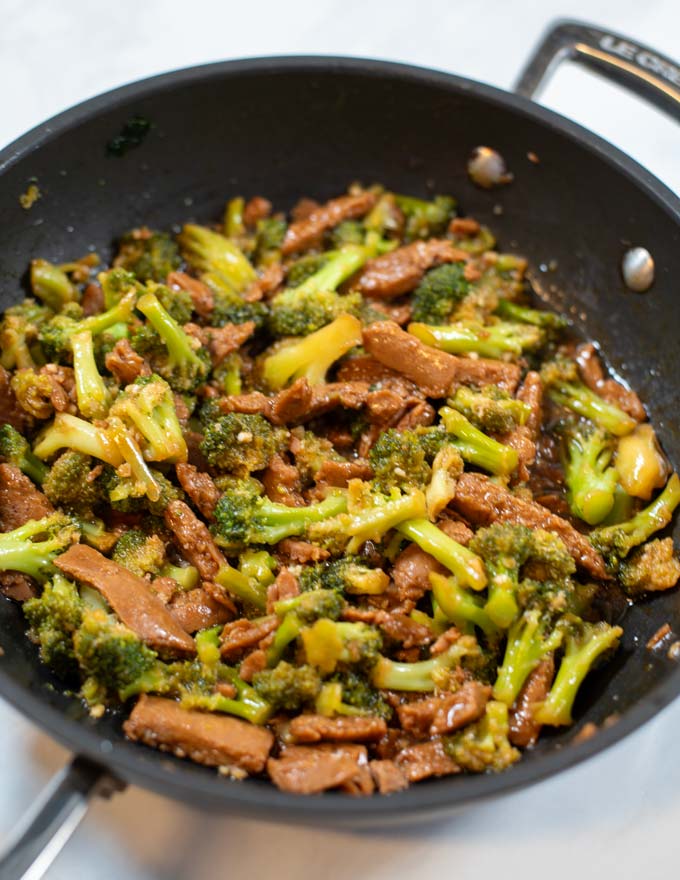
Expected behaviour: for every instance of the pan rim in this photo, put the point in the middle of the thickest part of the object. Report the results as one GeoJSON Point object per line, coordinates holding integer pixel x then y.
{"type": "Point", "coordinates": [192, 784]}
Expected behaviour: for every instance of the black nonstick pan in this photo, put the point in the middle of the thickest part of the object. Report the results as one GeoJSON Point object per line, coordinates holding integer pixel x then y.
{"type": "Point", "coordinates": [290, 126]}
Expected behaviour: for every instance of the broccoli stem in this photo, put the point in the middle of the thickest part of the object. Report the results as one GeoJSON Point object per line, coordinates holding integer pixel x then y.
{"type": "Point", "coordinates": [476, 447]}
{"type": "Point", "coordinates": [51, 285]}
{"type": "Point", "coordinates": [245, 588]}
{"type": "Point", "coordinates": [15, 449]}
{"type": "Point", "coordinates": [70, 432]}
{"type": "Point", "coordinates": [278, 521]}
{"type": "Point", "coordinates": [234, 226]}
{"type": "Point", "coordinates": [492, 341]}
{"type": "Point", "coordinates": [340, 266]}
{"type": "Point", "coordinates": [580, 655]}
{"type": "Point", "coordinates": [92, 394]}
{"type": "Point", "coordinates": [580, 399]}
{"type": "Point", "coordinates": [501, 606]}
{"type": "Point", "coordinates": [465, 565]}
{"type": "Point", "coordinates": [590, 482]}
{"type": "Point", "coordinates": [248, 704]}
{"type": "Point", "coordinates": [526, 647]}
{"type": "Point", "coordinates": [538, 317]}
{"type": "Point", "coordinates": [18, 552]}
{"type": "Point", "coordinates": [372, 523]}
{"type": "Point", "coordinates": [289, 629]}
{"type": "Point", "coordinates": [120, 313]}
{"type": "Point", "coordinates": [424, 675]}
{"type": "Point", "coordinates": [132, 455]}
{"type": "Point", "coordinates": [460, 607]}
{"type": "Point", "coordinates": [180, 349]}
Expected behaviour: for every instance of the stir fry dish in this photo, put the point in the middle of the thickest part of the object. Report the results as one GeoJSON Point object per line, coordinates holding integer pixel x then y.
{"type": "Point", "coordinates": [326, 498]}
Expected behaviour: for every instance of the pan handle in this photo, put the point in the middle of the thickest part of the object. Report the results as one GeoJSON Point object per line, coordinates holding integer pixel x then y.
{"type": "Point", "coordinates": [53, 818]}
{"type": "Point", "coordinates": [626, 62]}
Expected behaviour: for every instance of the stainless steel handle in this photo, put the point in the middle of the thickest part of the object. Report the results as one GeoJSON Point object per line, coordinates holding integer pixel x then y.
{"type": "Point", "coordinates": [44, 831]}
{"type": "Point", "coordinates": [624, 61]}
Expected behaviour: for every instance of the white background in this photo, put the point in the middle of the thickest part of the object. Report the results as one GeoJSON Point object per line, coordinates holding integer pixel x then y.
{"type": "Point", "coordinates": [619, 814]}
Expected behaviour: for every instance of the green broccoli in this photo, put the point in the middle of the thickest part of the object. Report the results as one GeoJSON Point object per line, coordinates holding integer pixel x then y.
{"type": "Point", "coordinates": [492, 410]}
{"type": "Point", "coordinates": [348, 575]}
{"type": "Point", "coordinates": [53, 617]}
{"type": "Point", "coordinates": [588, 474]}
{"type": "Point", "coordinates": [654, 566]}
{"type": "Point", "coordinates": [423, 675]}
{"type": "Point", "coordinates": [492, 341]}
{"type": "Point", "coordinates": [139, 552]}
{"type": "Point", "coordinates": [269, 235]}
{"type": "Point", "coordinates": [148, 405]}
{"type": "Point", "coordinates": [477, 447]}
{"type": "Point", "coordinates": [312, 356]}
{"type": "Point", "coordinates": [299, 311]}
{"type": "Point", "coordinates": [19, 332]}
{"type": "Point", "coordinates": [484, 745]}
{"type": "Point", "coordinates": [584, 643]}
{"type": "Point", "coordinates": [217, 258]}
{"type": "Point", "coordinates": [615, 542]}
{"type": "Point", "coordinates": [331, 643]}
{"type": "Point", "coordinates": [439, 293]}
{"type": "Point", "coordinates": [446, 468]}
{"type": "Point", "coordinates": [241, 443]}
{"type": "Point", "coordinates": [288, 687]}
{"type": "Point", "coordinates": [92, 394]}
{"type": "Point", "coordinates": [398, 458]}
{"type": "Point", "coordinates": [150, 256]}
{"type": "Point", "coordinates": [33, 547]}
{"type": "Point", "coordinates": [67, 483]}
{"type": "Point", "coordinates": [425, 219]}
{"type": "Point", "coordinates": [461, 607]}
{"type": "Point", "coordinates": [56, 334]}
{"type": "Point", "coordinates": [530, 639]}
{"type": "Point", "coordinates": [350, 693]}
{"type": "Point", "coordinates": [51, 285]}
{"type": "Point", "coordinates": [70, 432]}
{"type": "Point", "coordinates": [549, 321]}
{"type": "Point", "coordinates": [461, 561]}
{"type": "Point", "coordinates": [297, 613]}
{"type": "Point", "coordinates": [16, 450]}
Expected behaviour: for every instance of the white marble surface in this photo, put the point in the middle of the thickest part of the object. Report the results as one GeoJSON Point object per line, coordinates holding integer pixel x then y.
{"type": "Point", "coordinates": [618, 814]}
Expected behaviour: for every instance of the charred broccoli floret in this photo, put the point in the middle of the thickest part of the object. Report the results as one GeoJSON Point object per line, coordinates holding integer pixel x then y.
{"type": "Point", "coordinates": [439, 293]}
{"type": "Point", "coordinates": [53, 617]}
{"type": "Point", "coordinates": [288, 687]}
{"type": "Point", "coordinates": [654, 566]}
{"type": "Point", "coordinates": [150, 256]}
{"type": "Point", "coordinates": [241, 443]}
{"type": "Point", "coordinates": [588, 474]}
{"type": "Point", "coordinates": [16, 450]}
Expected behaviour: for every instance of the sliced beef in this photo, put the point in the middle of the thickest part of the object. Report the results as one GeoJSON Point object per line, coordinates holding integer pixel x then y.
{"type": "Point", "coordinates": [125, 364]}
{"type": "Point", "coordinates": [282, 482]}
{"type": "Point", "coordinates": [339, 473]}
{"type": "Point", "coordinates": [523, 438]}
{"type": "Point", "coordinates": [92, 300]}
{"type": "Point", "coordinates": [435, 372]}
{"type": "Point", "coordinates": [196, 609]}
{"type": "Point", "coordinates": [194, 539]}
{"type": "Point", "coordinates": [302, 401]}
{"type": "Point", "coordinates": [255, 662]}
{"type": "Point", "coordinates": [524, 729]}
{"type": "Point", "coordinates": [306, 232]}
{"type": "Point", "coordinates": [313, 769]}
{"type": "Point", "coordinates": [19, 499]}
{"type": "Point", "coordinates": [241, 634]}
{"type": "Point", "coordinates": [411, 573]}
{"type": "Point", "coordinates": [446, 712]}
{"type": "Point", "coordinates": [214, 740]}
{"type": "Point", "coordinates": [222, 341]}
{"type": "Point", "coordinates": [284, 587]}
{"type": "Point", "coordinates": [62, 383]}
{"type": "Point", "coordinates": [253, 403]}
{"type": "Point", "coordinates": [388, 777]}
{"type": "Point", "coordinates": [609, 389]}
{"type": "Point", "coordinates": [130, 596]}
{"type": "Point", "coordinates": [427, 759]}
{"type": "Point", "coordinates": [199, 487]}
{"type": "Point", "coordinates": [400, 313]}
{"type": "Point", "coordinates": [483, 502]}
{"type": "Point", "coordinates": [201, 295]}
{"type": "Point", "coordinates": [357, 728]}
{"type": "Point", "coordinates": [266, 284]}
{"type": "Point", "coordinates": [17, 586]}
{"type": "Point", "coordinates": [365, 368]}
{"type": "Point", "coordinates": [292, 550]}
{"type": "Point", "coordinates": [256, 209]}
{"type": "Point", "coordinates": [401, 270]}
{"type": "Point", "coordinates": [397, 625]}
{"type": "Point", "coordinates": [10, 411]}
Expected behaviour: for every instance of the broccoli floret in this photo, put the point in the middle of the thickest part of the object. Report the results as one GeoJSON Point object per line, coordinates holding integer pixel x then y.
{"type": "Point", "coordinates": [311, 451]}
{"type": "Point", "coordinates": [145, 490]}
{"type": "Point", "coordinates": [33, 390]}
{"type": "Point", "coordinates": [492, 341]}
{"type": "Point", "coordinates": [16, 450]}
{"type": "Point", "coordinates": [423, 675]}
{"type": "Point", "coordinates": [269, 235]}
{"type": "Point", "coordinates": [332, 643]}
{"type": "Point", "coordinates": [70, 432]}
{"type": "Point", "coordinates": [588, 475]}
{"type": "Point", "coordinates": [55, 335]}
{"type": "Point", "coordinates": [640, 463]}
{"type": "Point", "coordinates": [312, 356]}
{"type": "Point", "coordinates": [288, 687]}
{"type": "Point", "coordinates": [177, 303]}
{"type": "Point", "coordinates": [305, 267]}
{"type": "Point", "coordinates": [425, 219]}
{"type": "Point", "coordinates": [347, 233]}
{"type": "Point", "coordinates": [217, 258]}
{"type": "Point", "coordinates": [615, 542]}
{"type": "Point", "coordinates": [182, 363]}
{"type": "Point", "coordinates": [148, 405]}
{"type": "Point", "coordinates": [530, 639]}
{"type": "Point", "coordinates": [548, 321]}
{"type": "Point", "coordinates": [484, 745]}
{"type": "Point", "coordinates": [477, 447]}
{"type": "Point", "coordinates": [248, 703]}
{"type": "Point", "coordinates": [446, 468]}
{"type": "Point", "coordinates": [116, 284]}
{"type": "Point", "coordinates": [301, 310]}
{"type": "Point", "coordinates": [19, 332]}
{"type": "Point", "coordinates": [461, 561]}
{"type": "Point", "coordinates": [53, 617]}
{"type": "Point", "coordinates": [243, 516]}
{"type": "Point", "coordinates": [297, 613]}
{"type": "Point", "coordinates": [439, 293]}
{"type": "Point", "coordinates": [461, 607]}
{"type": "Point", "coordinates": [653, 567]}
{"type": "Point", "coordinates": [140, 553]}
{"type": "Point", "coordinates": [565, 388]}
{"type": "Point", "coordinates": [111, 657]}
{"type": "Point", "coordinates": [32, 548]}
{"type": "Point", "coordinates": [350, 693]}
{"type": "Point", "coordinates": [492, 410]}
{"type": "Point", "coordinates": [51, 285]}
{"type": "Point", "coordinates": [67, 484]}
{"type": "Point", "coordinates": [91, 391]}
{"type": "Point", "coordinates": [398, 458]}
{"type": "Point", "coordinates": [151, 256]}
{"type": "Point", "coordinates": [346, 575]}
{"type": "Point", "coordinates": [584, 643]}
{"type": "Point", "coordinates": [241, 443]}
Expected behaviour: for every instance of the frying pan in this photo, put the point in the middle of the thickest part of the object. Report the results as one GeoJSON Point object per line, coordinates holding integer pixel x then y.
{"type": "Point", "coordinates": [290, 126]}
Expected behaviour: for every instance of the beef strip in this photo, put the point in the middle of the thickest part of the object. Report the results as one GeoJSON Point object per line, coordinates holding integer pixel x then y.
{"type": "Point", "coordinates": [397, 625]}
{"type": "Point", "coordinates": [400, 313]}
{"type": "Point", "coordinates": [284, 587]}
{"type": "Point", "coordinates": [253, 403]}
{"type": "Point", "coordinates": [427, 759]}
{"type": "Point", "coordinates": [524, 437]}
{"type": "Point", "coordinates": [256, 209]}
{"type": "Point", "coordinates": [92, 299]}
{"type": "Point", "coordinates": [443, 642]}
{"type": "Point", "coordinates": [266, 284]}
{"type": "Point", "coordinates": [317, 768]}
{"type": "Point", "coordinates": [17, 586]}
{"type": "Point", "coordinates": [199, 487]}
{"type": "Point", "coordinates": [432, 716]}
{"type": "Point", "coordinates": [387, 776]}
{"type": "Point", "coordinates": [435, 372]}
{"type": "Point", "coordinates": [292, 550]}
{"type": "Point", "coordinates": [214, 740]}
{"type": "Point", "coordinates": [282, 483]}
{"type": "Point", "coordinates": [125, 364]}
{"type": "Point", "coordinates": [401, 270]}
{"type": "Point", "coordinates": [194, 539]}
{"type": "Point", "coordinates": [201, 295]}
{"type": "Point", "coordinates": [612, 391]}
{"type": "Point", "coordinates": [304, 233]}
{"type": "Point", "coordinates": [483, 502]}
{"type": "Point", "coordinates": [19, 499]}
{"type": "Point", "coordinates": [524, 729]}
{"type": "Point", "coordinates": [10, 411]}
{"type": "Point", "coordinates": [339, 473]}
{"type": "Point", "coordinates": [130, 596]}
{"type": "Point", "coordinates": [222, 341]}
{"type": "Point", "coordinates": [241, 634]}
{"type": "Point", "coordinates": [196, 609]}
{"type": "Point", "coordinates": [357, 728]}
{"type": "Point", "coordinates": [411, 573]}
{"type": "Point", "coordinates": [302, 401]}
{"type": "Point", "coordinates": [255, 662]}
